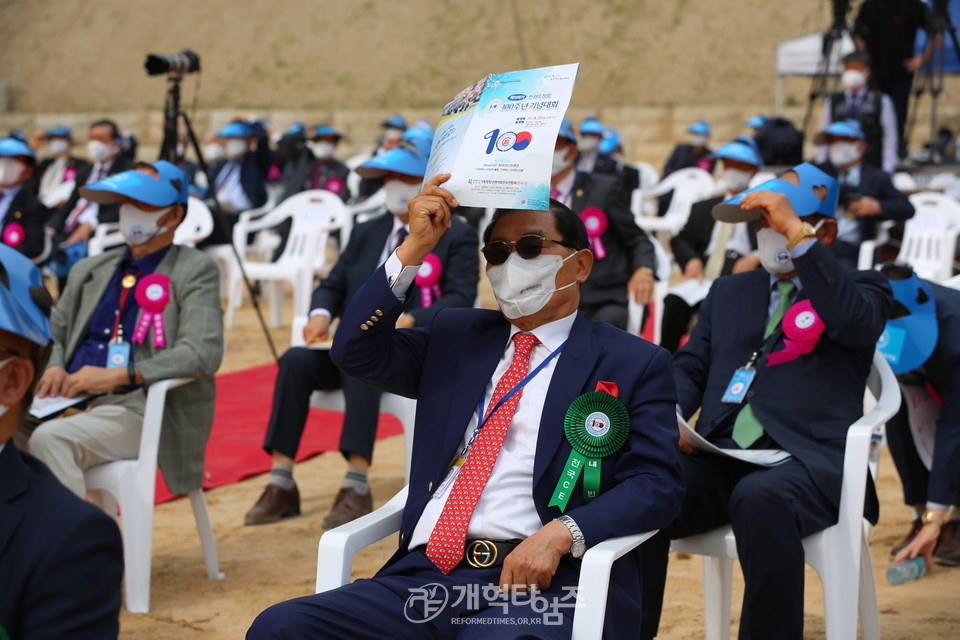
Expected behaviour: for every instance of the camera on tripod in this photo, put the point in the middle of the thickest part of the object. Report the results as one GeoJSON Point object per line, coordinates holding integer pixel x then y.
{"type": "Point", "coordinates": [187, 61]}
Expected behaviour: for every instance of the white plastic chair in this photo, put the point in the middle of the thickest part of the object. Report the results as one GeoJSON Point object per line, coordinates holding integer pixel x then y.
{"type": "Point", "coordinates": [689, 186]}
{"type": "Point", "coordinates": [338, 546]}
{"type": "Point", "coordinates": [353, 178]}
{"type": "Point", "coordinates": [868, 248]}
{"type": "Point", "coordinates": [197, 223]}
{"type": "Point", "coordinates": [403, 409]}
{"type": "Point", "coordinates": [306, 239]}
{"type": "Point", "coordinates": [369, 208]}
{"type": "Point", "coordinates": [930, 236]}
{"type": "Point", "coordinates": [132, 484]}
{"type": "Point", "coordinates": [635, 311]}
{"type": "Point", "coordinates": [105, 235]}
{"type": "Point", "coordinates": [953, 283]}
{"type": "Point", "coordinates": [649, 177]}
{"type": "Point", "coordinates": [840, 554]}
{"type": "Point", "coordinates": [903, 181]}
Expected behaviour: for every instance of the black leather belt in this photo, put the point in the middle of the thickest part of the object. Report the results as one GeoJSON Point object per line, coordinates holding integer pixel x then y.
{"type": "Point", "coordinates": [483, 554]}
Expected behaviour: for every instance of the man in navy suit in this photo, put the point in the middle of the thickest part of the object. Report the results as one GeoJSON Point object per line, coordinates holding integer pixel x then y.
{"type": "Point", "coordinates": [756, 391]}
{"type": "Point", "coordinates": [867, 195]}
{"type": "Point", "coordinates": [22, 215]}
{"type": "Point", "coordinates": [513, 533]}
{"type": "Point", "coordinates": [451, 283]}
{"type": "Point", "coordinates": [61, 559]}
{"type": "Point", "coordinates": [926, 358]}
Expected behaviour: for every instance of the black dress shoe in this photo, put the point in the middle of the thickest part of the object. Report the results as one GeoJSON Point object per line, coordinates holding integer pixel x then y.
{"type": "Point", "coordinates": [948, 546]}
{"type": "Point", "coordinates": [915, 527]}
{"type": "Point", "coordinates": [275, 503]}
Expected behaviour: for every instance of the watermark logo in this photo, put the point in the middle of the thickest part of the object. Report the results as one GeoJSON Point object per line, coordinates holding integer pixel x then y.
{"type": "Point", "coordinates": [425, 603]}
{"type": "Point", "coordinates": [477, 604]}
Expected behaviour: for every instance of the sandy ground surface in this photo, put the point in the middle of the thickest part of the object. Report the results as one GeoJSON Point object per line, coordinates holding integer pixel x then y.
{"type": "Point", "coordinates": [270, 563]}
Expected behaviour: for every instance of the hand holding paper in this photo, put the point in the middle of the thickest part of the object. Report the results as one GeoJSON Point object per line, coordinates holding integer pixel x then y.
{"type": "Point", "coordinates": [429, 220]}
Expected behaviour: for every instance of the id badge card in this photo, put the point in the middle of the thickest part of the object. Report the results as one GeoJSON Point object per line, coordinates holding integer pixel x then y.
{"type": "Point", "coordinates": [118, 354]}
{"type": "Point", "coordinates": [454, 470]}
{"type": "Point", "coordinates": [738, 386]}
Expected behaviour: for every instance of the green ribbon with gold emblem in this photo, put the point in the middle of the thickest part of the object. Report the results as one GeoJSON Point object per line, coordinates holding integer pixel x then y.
{"type": "Point", "coordinates": [597, 425]}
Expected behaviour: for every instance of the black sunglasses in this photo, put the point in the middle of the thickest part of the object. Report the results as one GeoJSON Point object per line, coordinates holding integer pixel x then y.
{"type": "Point", "coordinates": [527, 247]}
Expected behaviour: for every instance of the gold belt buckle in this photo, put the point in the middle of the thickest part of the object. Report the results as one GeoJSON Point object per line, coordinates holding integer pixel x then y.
{"type": "Point", "coordinates": [481, 554]}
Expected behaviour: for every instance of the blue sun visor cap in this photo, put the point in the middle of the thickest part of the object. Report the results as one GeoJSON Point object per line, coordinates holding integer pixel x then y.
{"type": "Point", "coordinates": [739, 151]}
{"type": "Point", "coordinates": [421, 138]}
{"type": "Point", "coordinates": [296, 127]}
{"type": "Point", "coordinates": [58, 132]}
{"type": "Point", "coordinates": [139, 186]}
{"type": "Point", "coordinates": [841, 129]}
{"type": "Point", "coordinates": [326, 130]}
{"type": "Point", "coordinates": [15, 147]}
{"type": "Point", "coordinates": [407, 158]}
{"type": "Point", "coordinates": [176, 177]}
{"type": "Point", "coordinates": [699, 127]}
{"type": "Point", "coordinates": [236, 129]}
{"type": "Point", "coordinates": [396, 122]}
{"type": "Point", "coordinates": [756, 121]}
{"type": "Point", "coordinates": [591, 126]}
{"type": "Point", "coordinates": [566, 130]}
{"type": "Point", "coordinates": [908, 341]}
{"type": "Point", "coordinates": [20, 286]}
{"type": "Point", "coordinates": [610, 141]}
{"type": "Point", "coordinates": [816, 193]}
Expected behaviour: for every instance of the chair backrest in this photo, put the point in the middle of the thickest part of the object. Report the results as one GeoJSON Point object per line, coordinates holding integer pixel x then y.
{"type": "Point", "coordinates": [353, 178]}
{"type": "Point", "coordinates": [649, 177]}
{"type": "Point", "coordinates": [372, 206]}
{"type": "Point", "coordinates": [688, 185]}
{"type": "Point", "coordinates": [903, 181]}
{"type": "Point", "coordinates": [197, 223]}
{"type": "Point", "coordinates": [930, 236]}
{"type": "Point", "coordinates": [760, 177]}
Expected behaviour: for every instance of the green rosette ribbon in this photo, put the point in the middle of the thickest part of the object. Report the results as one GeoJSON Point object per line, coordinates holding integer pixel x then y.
{"type": "Point", "coordinates": [596, 425]}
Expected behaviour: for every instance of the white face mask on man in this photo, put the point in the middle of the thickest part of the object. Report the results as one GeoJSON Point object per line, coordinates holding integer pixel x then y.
{"type": "Point", "coordinates": [11, 170]}
{"type": "Point", "coordinates": [58, 145]}
{"type": "Point", "coordinates": [321, 149]}
{"type": "Point", "coordinates": [589, 143]}
{"type": "Point", "coordinates": [698, 139]}
{"type": "Point", "coordinates": [523, 287]}
{"type": "Point", "coordinates": [100, 151]}
{"type": "Point", "coordinates": [772, 248]}
{"type": "Point", "coordinates": [560, 161]}
{"type": "Point", "coordinates": [735, 180]}
{"type": "Point", "coordinates": [235, 147]}
{"type": "Point", "coordinates": [853, 79]}
{"type": "Point", "coordinates": [138, 226]}
{"type": "Point", "coordinates": [842, 154]}
{"type": "Point", "coordinates": [399, 194]}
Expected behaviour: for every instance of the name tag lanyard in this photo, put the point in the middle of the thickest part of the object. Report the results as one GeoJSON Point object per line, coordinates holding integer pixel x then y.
{"type": "Point", "coordinates": [742, 378]}
{"type": "Point", "coordinates": [461, 456]}
{"type": "Point", "coordinates": [118, 354]}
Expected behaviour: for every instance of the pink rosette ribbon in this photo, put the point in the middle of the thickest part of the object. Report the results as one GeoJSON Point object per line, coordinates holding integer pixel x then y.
{"type": "Point", "coordinates": [153, 295]}
{"type": "Point", "coordinates": [13, 234]}
{"type": "Point", "coordinates": [70, 173]}
{"type": "Point", "coordinates": [274, 174]}
{"type": "Point", "coordinates": [595, 220]}
{"type": "Point", "coordinates": [428, 279]}
{"type": "Point", "coordinates": [334, 186]}
{"type": "Point", "coordinates": [802, 327]}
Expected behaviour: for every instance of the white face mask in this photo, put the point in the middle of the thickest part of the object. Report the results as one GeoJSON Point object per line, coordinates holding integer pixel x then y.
{"type": "Point", "coordinates": [11, 170]}
{"type": "Point", "coordinates": [392, 134]}
{"type": "Point", "coordinates": [58, 146]}
{"type": "Point", "coordinates": [213, 152]}
{"type": "Point", "coordinates": [698, 140]}
{"type": "Point", "coordinates": [853, 79]}
{"type": "Point", "coordinates": [772, 247]}
{"type": "Point", "coordinates": [138, 226]}
{"type": "Point", "coordinates": [589, 143]}
{"type": "Point", "coordinates": [524, 287]}
{"type": "Point", "coordinates": [560, 161]}
{"type": "Point", "coordinates": [235, 147]}
{"type": "Point", "coordinates": [321, 149]}
{"type": "Point", "coordinates": [181, 149]}
{"type": "Point", "coordinates": [399, 194]}
{"type": "Point", "coordinates": [842, 154]}
{"type": "Point", "coordinates": [100, 151]}
{"type": "Point", "coordinates": [735, 180]}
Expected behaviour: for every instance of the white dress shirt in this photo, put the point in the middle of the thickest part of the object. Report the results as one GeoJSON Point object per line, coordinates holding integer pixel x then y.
{"type": "Point", "coordinates": [230, 191]}
{"type": "Point", "coordinates": [7, 199]}
{"type": "Point", "coordinates": [506, 509]}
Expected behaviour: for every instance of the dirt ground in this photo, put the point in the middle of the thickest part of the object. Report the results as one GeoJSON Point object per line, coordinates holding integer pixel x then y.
{"type": "Point", "coordinates": [267, 564]}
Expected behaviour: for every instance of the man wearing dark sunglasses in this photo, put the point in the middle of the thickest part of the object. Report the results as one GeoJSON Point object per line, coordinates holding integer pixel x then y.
{"type": "Point", "coordinates": [490, 451]}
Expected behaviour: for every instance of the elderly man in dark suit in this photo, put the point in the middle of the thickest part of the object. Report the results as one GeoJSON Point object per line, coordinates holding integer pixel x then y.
{"type": "Point", "coordinates": [755, 391]}
{"type": "Point", "coordinates": [142, 312]}
{"type": "Point", "coordinates": [61, 559]}
{"type": "Point", "coordinates": [867, 195]}
{"type": "Point", "coordinates": [22, 216]}
{"type": "Point", "coordinates": [314, 166]}
{"type": "Point", "coordinates": [452, 283]}
{"type": "Point", "coordinates": [625, 262]}
{"type": "Point", "coordinates": [491, 454]}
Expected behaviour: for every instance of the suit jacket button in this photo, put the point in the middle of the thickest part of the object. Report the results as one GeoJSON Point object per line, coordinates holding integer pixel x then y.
{"type": "Point", "coordinates": [363, 327]}
{"type": "Point", "coordinates": [403, 537]}
{"type": "Point", "coordinates": [375, 318]}
{"type": "Point", "coordinates": [368, 323]}
{"type": "Point", "coordinates": [378, 312]}
{"type": "Point", "coordinates": [429, 486]}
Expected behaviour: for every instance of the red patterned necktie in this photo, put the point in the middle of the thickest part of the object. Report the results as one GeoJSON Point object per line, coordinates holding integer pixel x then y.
{"type": "Point", "coordinates": [445, 547]}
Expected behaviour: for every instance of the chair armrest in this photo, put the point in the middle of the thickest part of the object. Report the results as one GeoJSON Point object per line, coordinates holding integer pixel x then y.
{"type": "Point", "coordinates": [338, 546]}
{"type": "Point", "coordinates": [595, 582]}
{"type": "Point", "coordinates": [666, 223]}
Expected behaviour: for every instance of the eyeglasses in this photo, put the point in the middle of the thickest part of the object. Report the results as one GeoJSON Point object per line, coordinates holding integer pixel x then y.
{"type": "Point", "coordinates": [527, 247]}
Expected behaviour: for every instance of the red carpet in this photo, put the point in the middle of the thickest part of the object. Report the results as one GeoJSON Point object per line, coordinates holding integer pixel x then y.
{"type": "Point", "coordinates": [243, 406]}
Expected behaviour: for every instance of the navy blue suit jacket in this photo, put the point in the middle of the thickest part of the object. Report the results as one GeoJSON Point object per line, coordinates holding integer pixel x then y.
{"type": "Point", "coordinates": [877, 184]}
{"type": "Point", "coordinates": [254, 168]}
{"type": "Point", "coordinates": [447, 365]}
{"type": "Point", "coordinates": [27, 211]}
{"type": "Point", "coordinates": [61, 559]}
{"type": "Point", "coordinates": [457, 251]}
{"type": "Point", "coordinates": [805, 405]}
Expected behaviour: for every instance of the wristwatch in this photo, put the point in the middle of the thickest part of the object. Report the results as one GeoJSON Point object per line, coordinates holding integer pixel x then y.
{"type": "Point", "coordinates": [806, 231]}
{"type": "Point", "coordinates": [579, 546]}
{"type": "Point", "coordinates": [932, 516]}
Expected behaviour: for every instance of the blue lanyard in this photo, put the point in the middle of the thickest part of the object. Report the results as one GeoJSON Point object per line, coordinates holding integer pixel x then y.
{"type": "Point", "coordinates": [481, 420]}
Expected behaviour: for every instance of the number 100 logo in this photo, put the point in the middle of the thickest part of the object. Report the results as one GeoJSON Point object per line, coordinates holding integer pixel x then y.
{"type": "Point", "coordinates": [507, 140]}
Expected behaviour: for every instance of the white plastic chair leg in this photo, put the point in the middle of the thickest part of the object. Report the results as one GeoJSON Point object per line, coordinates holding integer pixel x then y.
{"type": "Point", "coordinates": [275, 289]}
{"type": "Point", "coordinates": [205, 530]}
{"type": "Point", "coordinates": [717, 595]}
{"type": "Point", "coordinates": [137, 521]}
{"type": "Point", "coordinates": [867, 602]}
{"type": "Point", "coordinates": [234, 294]}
